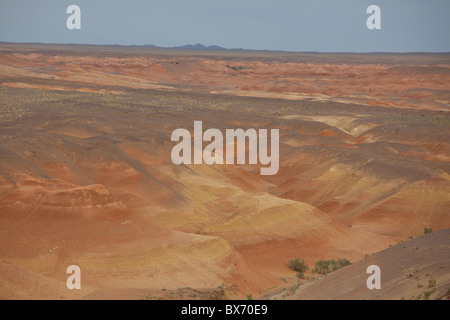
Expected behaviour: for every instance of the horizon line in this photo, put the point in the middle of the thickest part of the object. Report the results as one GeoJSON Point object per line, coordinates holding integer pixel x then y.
{"type": "Point", "coordinates": [211, 48]}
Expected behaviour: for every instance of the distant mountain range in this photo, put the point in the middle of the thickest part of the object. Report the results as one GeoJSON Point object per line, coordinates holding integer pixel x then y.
{"type": "Point", "coordinates": [196, 47]}
{"type": "Point", "coordinates": [199, 46]}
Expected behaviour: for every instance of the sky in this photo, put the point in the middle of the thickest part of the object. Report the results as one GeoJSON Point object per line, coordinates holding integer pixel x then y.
{"type": "Point", "coordinates": [289, 25]}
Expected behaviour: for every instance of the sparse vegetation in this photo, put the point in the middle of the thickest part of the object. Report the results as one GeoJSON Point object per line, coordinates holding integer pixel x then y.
{"type": "Point", "coordinates": [327, 266]}
{"type": "Point", "coordinates": [427, 295]}
{"type": "Point", "coordinates": [301, 275]}
{"type": "Point", "coordinates": [187, 288]}
{"type": "Point", "coordinates": [431, 283]}
{"type": "Point", "coordinates": [427, 230]}
{"type": "Point", "coordinates": [240, 68]}
{"type": "Point", "coordinates": [423, 119]}
{"type": "Point", "coordinates": [298, 265]}
{"type": "Point", "coordinates": [249, 297]}
{"type": "Point", "coordinates": [291, 291]}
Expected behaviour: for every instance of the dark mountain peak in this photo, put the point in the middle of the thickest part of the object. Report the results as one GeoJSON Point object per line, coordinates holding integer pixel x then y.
{"type": "Point", "coordinates": [199, 46]}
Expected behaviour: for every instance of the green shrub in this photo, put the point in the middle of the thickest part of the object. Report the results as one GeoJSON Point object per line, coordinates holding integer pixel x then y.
{"type": "Point", "coordinates": [298, 265]}
{"type": "Point", "coordinates": [431, 283]}
{"type": "Point", "coordinates": [327, 266]}
{"type": "Point", "coordinates": [427, 230]}
{"type": "Point", "coordinates": [301, 275]}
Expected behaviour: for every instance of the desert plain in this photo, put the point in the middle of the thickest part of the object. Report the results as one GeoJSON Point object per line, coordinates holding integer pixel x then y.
{"type": "Point", "coordinates": [86, 176]}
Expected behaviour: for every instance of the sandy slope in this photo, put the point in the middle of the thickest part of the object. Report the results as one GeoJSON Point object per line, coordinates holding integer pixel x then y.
{"type": "Point", "coordinates": [409, 271]}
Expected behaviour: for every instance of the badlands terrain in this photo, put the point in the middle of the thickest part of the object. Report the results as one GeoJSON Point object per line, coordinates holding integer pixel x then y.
{"type": "Point", "coordinates": [86, 176]}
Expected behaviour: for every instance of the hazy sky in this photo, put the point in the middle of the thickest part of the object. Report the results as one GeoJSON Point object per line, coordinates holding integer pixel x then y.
{"type": "Point", "coordinates": [294, 25]}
